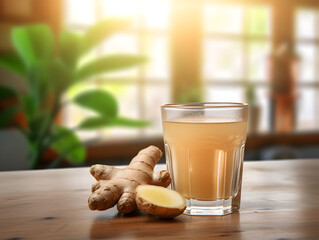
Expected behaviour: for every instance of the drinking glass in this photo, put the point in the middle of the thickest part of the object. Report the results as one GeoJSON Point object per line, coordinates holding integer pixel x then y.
{"type": "Point", "coordinates": [204, 149]}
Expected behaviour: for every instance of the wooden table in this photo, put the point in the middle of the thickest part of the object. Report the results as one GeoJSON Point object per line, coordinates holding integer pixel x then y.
{"type": "Point", "coordinates": [280, 200]}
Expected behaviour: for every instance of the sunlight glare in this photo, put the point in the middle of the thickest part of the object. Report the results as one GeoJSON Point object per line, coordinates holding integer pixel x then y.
{"type": "Point", "coordinates": [79, 12]}
{"type": "Point", "coordinates": [121, 8]}
{"type": "Point", "coordinates": [153, 13]}
{"type": "Point", "coordinates": [156, 13]}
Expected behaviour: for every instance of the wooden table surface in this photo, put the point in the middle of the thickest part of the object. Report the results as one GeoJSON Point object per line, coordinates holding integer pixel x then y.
{"type": "Point", "coordinates": [280, 200]}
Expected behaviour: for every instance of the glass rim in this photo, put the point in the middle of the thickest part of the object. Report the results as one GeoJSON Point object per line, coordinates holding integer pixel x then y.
{"type": "Point", "coordinates": [205, 105]}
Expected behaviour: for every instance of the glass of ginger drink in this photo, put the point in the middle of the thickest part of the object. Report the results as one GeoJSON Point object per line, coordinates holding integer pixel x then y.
{"type": "Point", "coordinates": [204, 149]}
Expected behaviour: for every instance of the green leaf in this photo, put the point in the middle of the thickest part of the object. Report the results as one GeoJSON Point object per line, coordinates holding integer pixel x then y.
{"type": "Point", "coordinates": [7, 114]}
{"type": "Point", "coordinates": [98, 32]}
{"type": "Point", "coordinates": [7, 93]}
{"type": "Point", "coordinates": [102, 102]}
{"type": "Point", "coordinates": [60, 75]}
{"type": "Point", "coordinates": [13, 63]}
{"type": "Point", "coordinates": [129, 122]}
{"type": "Point", "coordinates": [108, 64]}
{"type": "Point", "coordinates": [23, 45]}
{"type": "Point", "coordinates": [33, 154]}
{"type": "Point", "coordinates": [38, 81]}
{"type": "Point", "coordinates": [68, 145]}
{"type": "Point", "coordinates": [70, 47]}
{"type": "Point", "coordinates": [30, 105]}
{"type": "Point", "coordinates": [102, 122]}
{"type": "Point", "coordinates": [33, 43]}
{"type": "Point", "coordinates": [95, 123]}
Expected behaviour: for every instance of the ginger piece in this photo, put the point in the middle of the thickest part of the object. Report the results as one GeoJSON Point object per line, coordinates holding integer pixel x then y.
{"type": "Point", "coordinates": [117, 185]}
{"type": "Point", "coordinates": [159, 201]}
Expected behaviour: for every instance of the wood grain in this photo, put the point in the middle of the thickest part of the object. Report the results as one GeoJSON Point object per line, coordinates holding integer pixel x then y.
{"type": "Point", "coordinates": [279, 201]}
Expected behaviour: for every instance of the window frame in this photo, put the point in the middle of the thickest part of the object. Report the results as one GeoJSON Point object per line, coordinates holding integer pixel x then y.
{"type": "Point", "coordinates": [141, 80]}
{"type": "Point", "coordinates": [312, 42]}
{"type": "Point", "coordinates": [281, 32]}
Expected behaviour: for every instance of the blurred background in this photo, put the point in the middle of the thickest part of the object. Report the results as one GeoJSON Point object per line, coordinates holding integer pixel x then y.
{"type": "Point", "coordinates": [264, 52]}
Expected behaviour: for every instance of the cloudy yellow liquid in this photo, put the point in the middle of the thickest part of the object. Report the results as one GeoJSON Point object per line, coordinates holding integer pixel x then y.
{"type": "Point", "coordinates": [205, 157]}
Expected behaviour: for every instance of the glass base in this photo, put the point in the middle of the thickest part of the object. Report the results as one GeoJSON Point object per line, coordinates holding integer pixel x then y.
{"type": "Point", "coordinates": [196, 207]}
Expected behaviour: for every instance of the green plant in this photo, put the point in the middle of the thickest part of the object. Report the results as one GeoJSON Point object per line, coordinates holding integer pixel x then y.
{"type": "Point", "coordinates": [251, 94]}
{"type": "Point", "coordinates": [50, 67]}
{"type": "Point", "coordinates": [190, 94]}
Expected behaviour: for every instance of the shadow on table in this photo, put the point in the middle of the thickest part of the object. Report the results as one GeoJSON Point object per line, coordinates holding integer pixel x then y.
{"type": "Point", "coordinates": [141, 225]}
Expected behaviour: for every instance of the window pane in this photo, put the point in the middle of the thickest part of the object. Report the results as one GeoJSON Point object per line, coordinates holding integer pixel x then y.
{"type": "Point", "coordinates": [73, 114]}
{"type": "Point", "coordinates": [223, 59]}
{"type": "Point", "coordinates": [259, 21]}
{"type": "Point", "coordinates": [79, 12]}
{"type": "Point", "coordinates": [223, 18]}
{"type": "Point", "coordinates": [126, 9]}
{"type": "Point", "coordinates": [305, 23]}
{"type": "Point", "coordinates": [126, 95]}
{"type": "Point", "coordinates": [134, 97]}
{"type": "Point", "coordinates": [308, 109]}
{"type": "Point", "coordinates": [156, 13]}
{"type": "Point", "coordinates": [121, 8]}
{"type": "Point", "coordinates": [237, 94]}
{"type": "Point", "coordinates": [307, 54]}
{"type": "Point", "coordinates": [156, 49]}
{"type": "Point", "coordinates": [121, 43]}
{"type": "Point", "coordinates": [225, 94]}
{"type": "Point", "coordinates": [125, 44]}
{"type": "Point", "coordinates": [263, 101]}
{"type": "Point", "coordinates": [156, 95]}
{"type": "Point", "coordinates": [258, 53]}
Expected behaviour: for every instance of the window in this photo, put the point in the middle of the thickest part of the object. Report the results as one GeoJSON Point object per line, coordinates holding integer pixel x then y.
{"type": "Point", "coordinates": [237, 42]}
{"type": "Point", "coordinates": [235, 39]}
{"type": "Point", "coordinates": [307, 48]}
{"type": "Point", "coordinates": [139, 91]}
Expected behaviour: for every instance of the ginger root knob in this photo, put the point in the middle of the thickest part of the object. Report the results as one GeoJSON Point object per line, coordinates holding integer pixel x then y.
{"type": "Point", "coordinates": [115, 185]}
{"type": "Point", "coordinates": [159, 201]}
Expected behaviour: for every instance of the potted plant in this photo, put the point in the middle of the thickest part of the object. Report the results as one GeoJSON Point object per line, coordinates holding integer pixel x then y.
{"type": "Point", "coordinates": [50, 67]}
{"type": "Point", "coordinates": [254, 109]}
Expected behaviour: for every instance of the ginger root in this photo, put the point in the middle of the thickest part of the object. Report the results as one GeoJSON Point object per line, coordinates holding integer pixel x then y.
{"type": "Point", "coordinates": [116, 185]}
{"type": "Point", "coordinates": [159, 201]}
